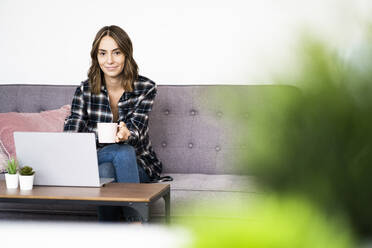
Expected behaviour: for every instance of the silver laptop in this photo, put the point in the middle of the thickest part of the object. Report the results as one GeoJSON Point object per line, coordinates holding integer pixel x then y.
{"type": "Point", "coordinates": [60, 159]}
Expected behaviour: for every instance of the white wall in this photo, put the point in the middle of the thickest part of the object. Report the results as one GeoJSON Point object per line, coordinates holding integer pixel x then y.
{"type": "Point", "coordinates": [175, 42]}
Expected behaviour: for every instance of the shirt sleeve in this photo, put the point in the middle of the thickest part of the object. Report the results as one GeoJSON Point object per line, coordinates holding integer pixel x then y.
{"type": "Point", "coordinates": [76, 122]}
{"type": "Point", "coordinates": [138, 123]}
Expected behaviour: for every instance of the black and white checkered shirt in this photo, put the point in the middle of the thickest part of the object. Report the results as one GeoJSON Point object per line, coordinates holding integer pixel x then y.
{"type": "Point", "coordinates": [88, 109]}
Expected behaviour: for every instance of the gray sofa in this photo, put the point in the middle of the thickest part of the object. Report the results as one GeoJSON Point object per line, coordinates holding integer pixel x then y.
{"type": "Point", "coordinates": [190, 132]}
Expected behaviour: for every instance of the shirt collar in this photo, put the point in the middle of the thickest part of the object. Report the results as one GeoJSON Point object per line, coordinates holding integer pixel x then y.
{"type": "Point", "coordinates": [127, 94]}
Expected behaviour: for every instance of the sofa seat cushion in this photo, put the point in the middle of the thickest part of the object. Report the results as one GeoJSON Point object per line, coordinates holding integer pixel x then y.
{"type": "Point", "coordinates": [199, 194]}
{"type": "Point", "coordinates": [208, 182]}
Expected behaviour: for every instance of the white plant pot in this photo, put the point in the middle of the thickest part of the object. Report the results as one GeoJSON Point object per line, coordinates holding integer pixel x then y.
{"type": "Point", "coordinates": [11, 181]}
{"type": "Point", "coordinates": [26, 182]}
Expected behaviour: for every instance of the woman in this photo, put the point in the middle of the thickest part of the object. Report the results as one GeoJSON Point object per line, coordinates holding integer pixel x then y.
{"type": "Point", "coordinates": [114, 92]}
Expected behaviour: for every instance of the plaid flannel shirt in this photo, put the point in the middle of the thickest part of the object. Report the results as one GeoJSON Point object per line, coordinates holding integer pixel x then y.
{"type": "Point", "coordinates": [88, 109]}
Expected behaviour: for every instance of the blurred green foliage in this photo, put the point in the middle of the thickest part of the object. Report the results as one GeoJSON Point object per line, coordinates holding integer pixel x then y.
{"type": "Point", "coordinates": [308, 141]}
{"type": "Point", "coordinates": [274, 222]}
{"type": "Point", "coordinates": [315, 141]}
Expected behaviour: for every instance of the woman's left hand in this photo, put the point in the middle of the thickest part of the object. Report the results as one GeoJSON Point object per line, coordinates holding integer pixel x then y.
{"type": "Point", "coordinates": [123, 133]}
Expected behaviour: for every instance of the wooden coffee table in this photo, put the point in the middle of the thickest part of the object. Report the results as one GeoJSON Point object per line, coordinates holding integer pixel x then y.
{"type": "Point", "coordinates": [139, 196]}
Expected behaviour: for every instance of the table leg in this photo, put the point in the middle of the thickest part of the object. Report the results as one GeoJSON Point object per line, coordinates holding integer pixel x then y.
{"type": "Point", "coordinates": [167, 207]}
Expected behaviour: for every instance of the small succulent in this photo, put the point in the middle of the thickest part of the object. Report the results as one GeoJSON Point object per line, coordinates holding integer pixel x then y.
{"type": "Point", "coordinates": [27, 171]}
{"type": "Point", "coordinates": [12, 166]}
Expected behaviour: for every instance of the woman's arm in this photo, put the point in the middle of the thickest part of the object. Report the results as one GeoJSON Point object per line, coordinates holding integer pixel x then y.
{"type": "Point", "coordinates": [76, 122]}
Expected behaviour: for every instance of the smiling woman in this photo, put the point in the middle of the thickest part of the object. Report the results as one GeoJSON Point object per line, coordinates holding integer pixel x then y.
{"type": "Point", "coordinates": [114, 92]}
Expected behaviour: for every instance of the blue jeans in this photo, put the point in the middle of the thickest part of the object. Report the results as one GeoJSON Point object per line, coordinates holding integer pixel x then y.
{"type": "Point", "coordinates": [119, 161]}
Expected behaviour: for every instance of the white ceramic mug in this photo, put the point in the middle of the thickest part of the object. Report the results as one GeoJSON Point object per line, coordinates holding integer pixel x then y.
{"type": "Point", "coordinates": [107, 132]}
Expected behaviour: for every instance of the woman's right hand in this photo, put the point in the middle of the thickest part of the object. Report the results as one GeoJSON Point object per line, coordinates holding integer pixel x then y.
{"type": "Point", "coordinates": [123, 133]}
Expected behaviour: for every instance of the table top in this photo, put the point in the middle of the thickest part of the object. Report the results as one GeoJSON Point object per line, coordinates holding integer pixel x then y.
{"type": "Point", "coordinates": [121, 192]}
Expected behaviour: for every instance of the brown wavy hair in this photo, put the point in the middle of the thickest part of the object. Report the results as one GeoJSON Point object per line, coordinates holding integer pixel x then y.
{"type": "Point", "coordinates": [130, 70]}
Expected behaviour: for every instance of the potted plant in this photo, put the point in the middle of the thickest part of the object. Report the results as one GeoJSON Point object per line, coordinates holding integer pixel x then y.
{"type": "Point", "coordinates": [11, 178]}
{"type": "Point", "coordinates": [26, 178]}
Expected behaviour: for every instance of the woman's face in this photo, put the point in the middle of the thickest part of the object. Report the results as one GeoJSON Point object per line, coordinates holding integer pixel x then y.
{"type": "Point", "coordinates": [110, 58]}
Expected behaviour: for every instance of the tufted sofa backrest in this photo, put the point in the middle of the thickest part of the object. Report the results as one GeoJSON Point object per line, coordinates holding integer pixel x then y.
{"type": "Point", "coordinates": [189, 127]}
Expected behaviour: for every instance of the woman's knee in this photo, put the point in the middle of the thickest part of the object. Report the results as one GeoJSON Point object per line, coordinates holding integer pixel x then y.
{"type": "Point", "coordinates": [126, 150]}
